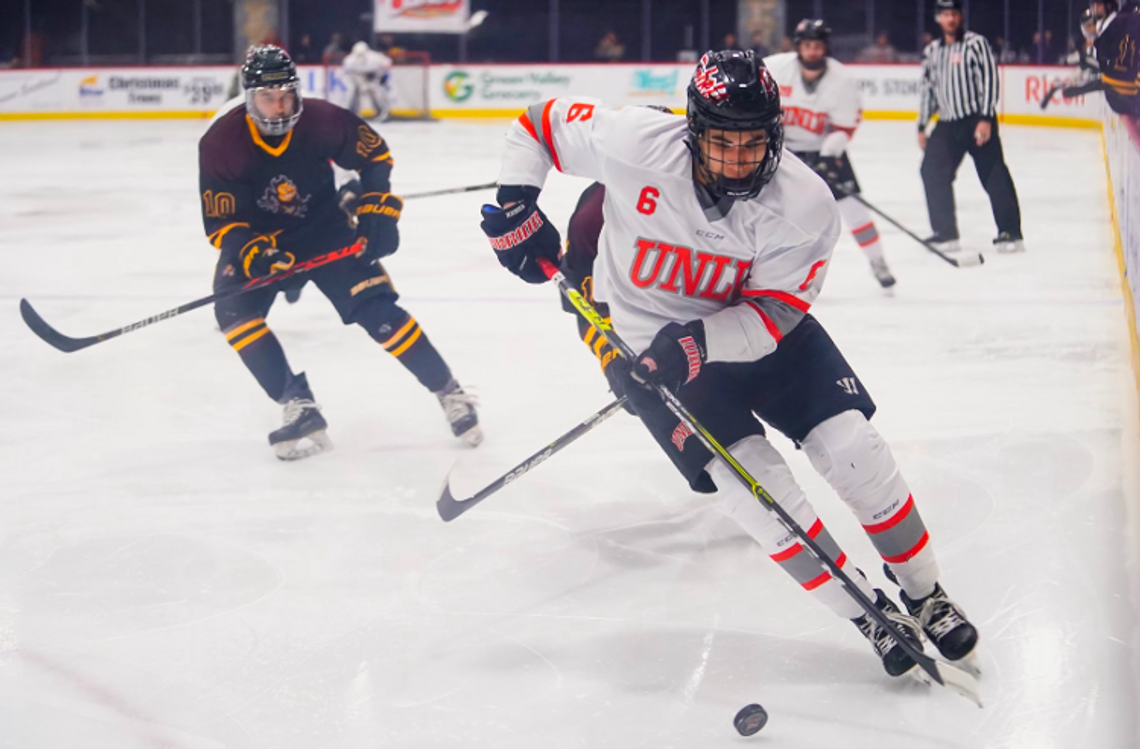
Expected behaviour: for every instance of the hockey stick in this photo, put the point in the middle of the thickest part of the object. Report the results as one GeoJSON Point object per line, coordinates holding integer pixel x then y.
{"type": "Point", "coordinates": [1047, 99]}
{"type": "Point", "coordinates": [65, 343]}
{"type": "Point", "coordinates": [451, 191]}
{"type": "Point", "coordinates": [944, 673]}
{"type": "Point", "coordinates": [958, 262]}
{"type": "Point", "coordinates": [450, 508]}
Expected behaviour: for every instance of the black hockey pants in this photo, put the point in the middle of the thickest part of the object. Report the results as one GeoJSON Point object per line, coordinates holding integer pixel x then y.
{"type": "Point", "coordinates": [945, 149]}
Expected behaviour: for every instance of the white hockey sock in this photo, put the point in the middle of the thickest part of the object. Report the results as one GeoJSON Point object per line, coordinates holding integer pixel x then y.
{"type": "Point", "coordinates": [856, 461]}
{"type": "Point", "coordinates": [858, 219]}
{"type": "Point", "coordinates": [767, 466]}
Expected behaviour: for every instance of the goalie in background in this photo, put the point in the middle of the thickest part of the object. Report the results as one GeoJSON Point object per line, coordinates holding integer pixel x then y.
{"type": "Point", "coordinates": [367, 73]}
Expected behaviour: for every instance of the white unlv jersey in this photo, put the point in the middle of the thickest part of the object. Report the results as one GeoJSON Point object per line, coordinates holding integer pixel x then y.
{"type": "Point", "coordinates": [811, 114]}
{"type": "Point", "coordinates": [751, 275]}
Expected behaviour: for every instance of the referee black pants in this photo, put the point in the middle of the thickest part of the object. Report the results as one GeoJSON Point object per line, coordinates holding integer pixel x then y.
{"type": "Point", "coordinates": [945, 149]}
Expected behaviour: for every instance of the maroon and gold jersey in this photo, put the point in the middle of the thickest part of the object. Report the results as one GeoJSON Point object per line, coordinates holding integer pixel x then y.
{"type": "Point", "coordinates": [281, 189]}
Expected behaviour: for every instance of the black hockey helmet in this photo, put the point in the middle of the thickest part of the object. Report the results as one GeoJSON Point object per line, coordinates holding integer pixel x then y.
{"type": "Point", "coordinates": [734, 91]}
{"type": "Point", "coordinates": [811, 28]}
{"type": "Point", "coordinates": [941, 5]}
{"type": "Point", "coordinates": [270, 74]}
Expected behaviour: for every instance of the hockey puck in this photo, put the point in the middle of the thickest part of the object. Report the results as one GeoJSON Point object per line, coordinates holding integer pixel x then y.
{"type": "Point", "coordinates": [967, 261]}
{"type": "Point", "coordinates": [750, 719]}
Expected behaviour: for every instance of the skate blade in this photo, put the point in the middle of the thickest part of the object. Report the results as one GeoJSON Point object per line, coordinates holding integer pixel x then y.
{"type": "Point", "coordinates": [473, 436]}
{"type": "Point", "coordinates": [970, 664]}
{"type": "Point", "coordinates": [290, 450]}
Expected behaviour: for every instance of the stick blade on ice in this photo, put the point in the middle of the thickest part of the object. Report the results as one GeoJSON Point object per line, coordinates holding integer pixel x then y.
{"type": "Point", "coordinates": [47, 333]}
{"type": "Point", "coordinates": [448, 507]}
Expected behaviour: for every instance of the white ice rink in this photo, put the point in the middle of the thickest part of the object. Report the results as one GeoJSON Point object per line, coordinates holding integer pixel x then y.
{"type": "Point", "coordinates": [166, 582]}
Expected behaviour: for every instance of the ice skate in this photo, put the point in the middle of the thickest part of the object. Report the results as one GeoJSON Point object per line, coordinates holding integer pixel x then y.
{"type": "Point", "coordinates": [1005, 243]}
{"type": "Point", "coordinates": [459, 408]}
{"type": "Point", "coordinates": [896, 661]}
{"type": "Point", "coordinates": [303, 433]}
{"type": "Point", "coordinates": [882, 273]}
{"type": "Point", "coordinates": [946, 626]}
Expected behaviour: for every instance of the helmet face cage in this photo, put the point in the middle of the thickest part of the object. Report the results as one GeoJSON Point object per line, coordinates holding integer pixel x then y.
{"type": "Point", "coordinates": [733, 92]}
{"type": "Point", "coordinates": [268, 69]}
{"type": "Point", "coordinates": [759, 161]}
{"type": "Point", "coordinates": [256, 98]}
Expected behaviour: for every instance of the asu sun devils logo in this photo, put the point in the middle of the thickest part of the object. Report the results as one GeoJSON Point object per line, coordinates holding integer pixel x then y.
{"type": "Point", "coordinates": [282, 197]}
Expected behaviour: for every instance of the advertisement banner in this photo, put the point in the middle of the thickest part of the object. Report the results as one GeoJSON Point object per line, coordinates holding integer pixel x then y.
{"type": "Point", "coordinates": [124, 91]}
{"type": "Point", "coordinates": [422, 16]}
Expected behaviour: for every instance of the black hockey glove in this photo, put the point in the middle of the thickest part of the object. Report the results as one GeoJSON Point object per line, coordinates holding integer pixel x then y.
{"type": "Point", "coordinates": [377, 214]}
{"type": "Point", "coordinates": [520, 235]}
{"type": "Point", "coordinates": [260, 257]}
{"type": "Point", "coordinates": [675, 356]}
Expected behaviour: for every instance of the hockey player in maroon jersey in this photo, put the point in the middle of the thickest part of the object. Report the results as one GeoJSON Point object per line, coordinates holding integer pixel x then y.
{"type": "Point", "coordinates": [713, 246]}
{"type": "Point", "coordinates": [269, 201]}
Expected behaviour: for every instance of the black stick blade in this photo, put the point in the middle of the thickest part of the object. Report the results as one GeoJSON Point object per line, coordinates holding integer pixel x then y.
{"type": "Point", "coordinates": [49, 334]}
{"type": "Point", "coordinates": [448, 507]}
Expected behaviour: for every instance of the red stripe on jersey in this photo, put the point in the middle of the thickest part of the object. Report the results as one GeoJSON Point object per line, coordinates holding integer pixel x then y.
{"type": "Point", "coordinates": [549, 135]}
{"type": "Point", "coordinates": [772, 328]}
{"type": "Point", "coordinates": [863, 228]}
{"type": "Point", "coordinates": [908, 555]}
{"type": "Point", "coordinates": [526, 123]}
{"type": "Point", "coordinates": [782, 296]}
{"type": "Point", "coordinates": [849, 130]}
{"type": "Point", "coordinates": [894, 520]}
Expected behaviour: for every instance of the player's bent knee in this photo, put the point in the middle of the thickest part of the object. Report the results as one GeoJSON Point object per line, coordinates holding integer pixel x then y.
{"type": "Point", "coordinates": [851, 454]}
{"type": "Point", "coordinates": [381, 318]}
{"type": "Point", "coordinates": [766, 465]}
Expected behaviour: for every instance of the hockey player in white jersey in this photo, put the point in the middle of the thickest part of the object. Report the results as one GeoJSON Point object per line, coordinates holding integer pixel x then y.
{"type": "Point", "coordinates": [822, 108]}
{"type": "Point", "coordinates": [367, 72]}
{"type": "Point", "coordinates": [715, 244]}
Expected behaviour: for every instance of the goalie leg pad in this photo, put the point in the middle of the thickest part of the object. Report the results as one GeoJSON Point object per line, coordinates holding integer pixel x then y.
{"type": "Point", "coordinates": [851, 454]}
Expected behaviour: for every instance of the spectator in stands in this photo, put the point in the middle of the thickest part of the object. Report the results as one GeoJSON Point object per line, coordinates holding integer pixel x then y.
{"type": "Point", "coordinates": [334, 53]}
{"type": "Point", "coordinates": [304, 52]}
{"type": "Point", "coordinates": [8, 60]}
{"type": "Point", "coordinates": [730, 41]}
{"type": "Point", "coordinates": [1045, 50]}
{"type": "Point", "coordinates": [1003, 51]}
{"type": "Point", "coordinates": [786, 45]}
{"type": "Point", "coordinates": [386, 43]}
{"type": "Point", "coordinates": [927, 38]}
{"type": "Point", "coordinates": [758, 45]}
{"type": "Point", "coordinates": [879, 52]}
{"type": "Point", "coordinates": [610, 48]}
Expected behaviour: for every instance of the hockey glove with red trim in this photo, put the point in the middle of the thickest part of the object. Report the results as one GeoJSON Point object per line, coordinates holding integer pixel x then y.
{"type": "Point", "coordinates": [520, 235]}
{"type": "Point", "coordinates": [377, 214]}
{"type": "Point", "coordinates": [260, 257]}
{"type": "Point", "coordinates": [675, 356]}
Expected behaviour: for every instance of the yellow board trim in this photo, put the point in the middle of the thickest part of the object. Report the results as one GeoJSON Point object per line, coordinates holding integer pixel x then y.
{"type": "Point", "coordinates": [1122, 266]}
{"type": "Point", "coordinates": [408, 343]}
{"type": "Point", "coordinates": [259, 334]}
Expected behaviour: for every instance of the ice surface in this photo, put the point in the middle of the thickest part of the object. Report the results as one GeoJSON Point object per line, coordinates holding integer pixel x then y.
{"type": "Point", "coordinates": [166, 582]}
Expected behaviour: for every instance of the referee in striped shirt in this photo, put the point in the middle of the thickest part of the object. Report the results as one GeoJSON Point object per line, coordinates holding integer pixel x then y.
{"type": "Point", "coordinates": [960, 83]}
